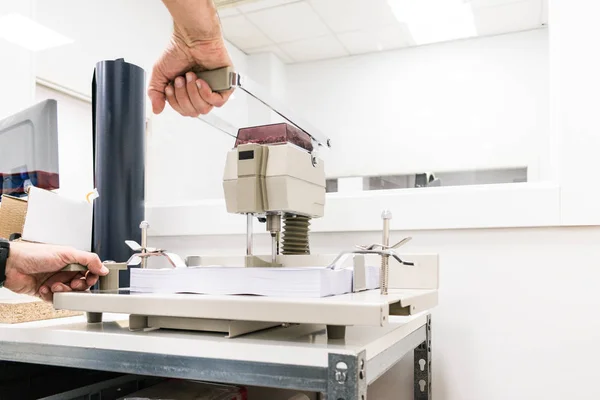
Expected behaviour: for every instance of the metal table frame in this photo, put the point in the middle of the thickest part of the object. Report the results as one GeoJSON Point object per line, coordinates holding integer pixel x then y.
{"type": "Point", "coordinates": [346, 377]}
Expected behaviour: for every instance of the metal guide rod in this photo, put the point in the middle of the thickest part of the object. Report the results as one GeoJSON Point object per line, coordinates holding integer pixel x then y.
{"type": "Point", "coordinates": [249, 226]}
{"type": "Point", "coordinates": [218, 123]}
{"type": "Point", "coordinates": [273, 248]}
{"type": "Point", "coordinates": [274, 227]}
{"type": "Point", "coordinates": [219, 82]}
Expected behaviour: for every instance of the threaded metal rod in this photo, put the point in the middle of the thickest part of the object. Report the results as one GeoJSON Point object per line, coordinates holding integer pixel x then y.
{"type": "Point", "coordinates": [295, 235]}
{"type": "Point", "coordinates": [144, 225]}
{"type": "Point", "coordinates": [385, 267]}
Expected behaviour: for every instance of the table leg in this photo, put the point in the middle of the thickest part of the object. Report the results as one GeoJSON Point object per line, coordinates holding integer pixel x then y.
{"type": "Point", "coordinates": [422, 366]}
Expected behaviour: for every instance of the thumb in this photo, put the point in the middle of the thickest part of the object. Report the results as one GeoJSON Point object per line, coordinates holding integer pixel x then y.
{"type": "Point", "coordinates": [156, 90]}
{"type": "Point", "coordinates": [89, 260]}
{"type": "Point", "coordinates": [158, 100]}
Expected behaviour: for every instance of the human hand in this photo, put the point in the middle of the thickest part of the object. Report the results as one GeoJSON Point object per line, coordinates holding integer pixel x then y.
{"type": "Point", "coordinates": [35, 269]}
{"type": "Point", "coordinates": [172, 80]}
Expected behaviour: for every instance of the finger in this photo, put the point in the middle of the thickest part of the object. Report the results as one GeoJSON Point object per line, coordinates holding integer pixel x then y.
{"type": "Point", "coordinates": [45, 293]}
{"type": "Point", "coordinates": [89, 260]}
{"type": "Point", "coordinates": [78, 282]}
{"type": "Point", "coordinates": [217, 99]}
{"type": "Point", "coordinates": [170, 92]}
{"type": "Point", "coordinates": [59, 277]}
{"type": "Point", "coordinates": [91, 279]}
{"type": "Point", "coordinates": [201, 106]}
{"type": "Point", "coordinates": [181, 93]}
{"type": "Point", "coordinates": [59, 287]}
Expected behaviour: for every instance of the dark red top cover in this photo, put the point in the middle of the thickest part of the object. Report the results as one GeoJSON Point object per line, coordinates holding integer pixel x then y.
{"type": "Point", "coordinates": [274, 133]}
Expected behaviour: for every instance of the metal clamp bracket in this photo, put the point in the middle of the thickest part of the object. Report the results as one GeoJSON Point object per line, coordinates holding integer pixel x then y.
{"type": "Point", "coordinates": [384, 250]}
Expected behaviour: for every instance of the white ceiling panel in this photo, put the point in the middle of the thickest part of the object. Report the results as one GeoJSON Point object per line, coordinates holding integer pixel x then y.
{"type": "Point", "coordinates": [295, 21]}
{"type": "Point", "coordinates": [261, 5]}
{"type": "Point", "coordinates": [378, 39]}
{"type": "Point", "coordinates": [509, 17]}
{"type": "Point", "coordinates": [271, 49]}
{"type": "Point", "coordinates": [353, 15]}
{"type": "Point", "coordinates": [288, 27]}
{"type": "Point", "coordinates": [242, 33]}
{"type": "Point", "coordinates": [315, 49]}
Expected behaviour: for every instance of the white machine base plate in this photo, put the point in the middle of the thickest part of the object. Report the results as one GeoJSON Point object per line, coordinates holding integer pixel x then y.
{"type": "Point", "coordinates": [368, 308]}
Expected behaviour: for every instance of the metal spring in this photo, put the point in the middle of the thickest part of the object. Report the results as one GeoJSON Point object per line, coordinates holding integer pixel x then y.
{"type": "Point", "coordinates": [295, 235]}
{"type": "Point", "coordinates": [384, 275]}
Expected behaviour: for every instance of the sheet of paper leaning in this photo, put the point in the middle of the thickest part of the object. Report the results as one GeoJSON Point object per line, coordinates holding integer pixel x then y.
{"type": "Point", "coordinates": [271, 282]}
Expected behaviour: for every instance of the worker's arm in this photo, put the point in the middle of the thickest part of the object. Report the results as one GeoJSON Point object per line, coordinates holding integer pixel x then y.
{"type": "Point", "coordinates": [196, 21]}
{"type": "Point", "coordinates": [197, 43]}
{"type": "Point", "coordinates": [35, 269]}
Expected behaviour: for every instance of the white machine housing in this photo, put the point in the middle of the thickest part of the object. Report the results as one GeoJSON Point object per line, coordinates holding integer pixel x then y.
{"type": "Point", "coordinates": [273, 178]}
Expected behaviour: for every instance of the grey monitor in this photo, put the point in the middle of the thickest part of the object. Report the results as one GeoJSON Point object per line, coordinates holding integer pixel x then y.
{"type": "Point", "coordinates": [29, 149]}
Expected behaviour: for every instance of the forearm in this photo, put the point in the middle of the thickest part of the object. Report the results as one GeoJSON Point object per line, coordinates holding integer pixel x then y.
{"type": "Point", "coordinates": [195, 20]}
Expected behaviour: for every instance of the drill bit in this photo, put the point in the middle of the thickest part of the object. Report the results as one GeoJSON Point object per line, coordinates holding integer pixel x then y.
{"type": "Point", "coordinates": [386, 215]}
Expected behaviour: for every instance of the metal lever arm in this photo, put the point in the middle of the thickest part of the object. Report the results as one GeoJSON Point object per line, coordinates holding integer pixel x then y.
{"type": "Point", "coordinates": [345, 254]}
{"type": "Point", "coordinates": [224, 79]}
{"type": "Point", "coordinates": [383, 247]}
{"type": "Point", "coordinates": [219, 80]}
{"type": "Point", "coordinates": [108, 282]}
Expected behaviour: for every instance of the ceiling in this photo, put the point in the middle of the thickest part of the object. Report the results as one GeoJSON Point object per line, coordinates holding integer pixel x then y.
{"type": "Point", "coordinates": [309, 30]}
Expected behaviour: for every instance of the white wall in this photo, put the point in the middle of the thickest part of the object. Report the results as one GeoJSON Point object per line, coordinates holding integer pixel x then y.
{"type": "Point", "coordinates": [180, 151]}
{"type": "Point", "coordinates": [16, 67]}
{"type": "Point", "coordinates": [472, 104]}
{"type": "Point", "coordinates": [575, 85]}
{"type": "Point", "coordinates": [74, 142]}
{"type": "Point", "coordinates": [517, 316]}
{"type": "Point", "coordinates": [136, 30]}
{"type": "Point", "coordinates": [462, 105]}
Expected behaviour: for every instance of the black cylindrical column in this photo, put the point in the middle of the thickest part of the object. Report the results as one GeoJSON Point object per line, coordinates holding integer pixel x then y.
{"type": "Point", "coordinates": [119, 129]}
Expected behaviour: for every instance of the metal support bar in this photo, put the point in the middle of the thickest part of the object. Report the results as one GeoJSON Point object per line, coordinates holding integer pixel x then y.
{"type": "Point", "coordinates": [235, 372]}
{"type": "Point", "coordinates": [347, 377]}
{"type": "Point", "coordinates": [422, 365]}
{"type": "Point", "coordinates": [387, 359]}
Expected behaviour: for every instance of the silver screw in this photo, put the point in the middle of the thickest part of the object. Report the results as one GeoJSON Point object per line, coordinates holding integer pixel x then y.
{"type": "Point", "coordinates": [386, 214]}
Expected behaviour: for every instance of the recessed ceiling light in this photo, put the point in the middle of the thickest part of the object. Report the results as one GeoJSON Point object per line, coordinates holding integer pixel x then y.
{"type": "Point", "coordinates": [431, 21]}
{"type": "Point", "coordinates": [25, 32]}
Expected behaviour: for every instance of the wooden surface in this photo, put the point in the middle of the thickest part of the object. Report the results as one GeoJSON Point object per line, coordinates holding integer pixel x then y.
{"type": "Point", "coordinates": [17, 311]}
{"type": "Point", "coordinates": [12, 215]}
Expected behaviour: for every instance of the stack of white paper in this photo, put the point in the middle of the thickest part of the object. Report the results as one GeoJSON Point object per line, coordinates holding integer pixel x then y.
{"type": "Point", "coordinates": [273, 282]}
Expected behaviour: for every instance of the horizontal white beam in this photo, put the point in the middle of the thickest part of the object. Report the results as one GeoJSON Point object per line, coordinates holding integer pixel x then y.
{"type": "Point", "coordinates": [467, 207]}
